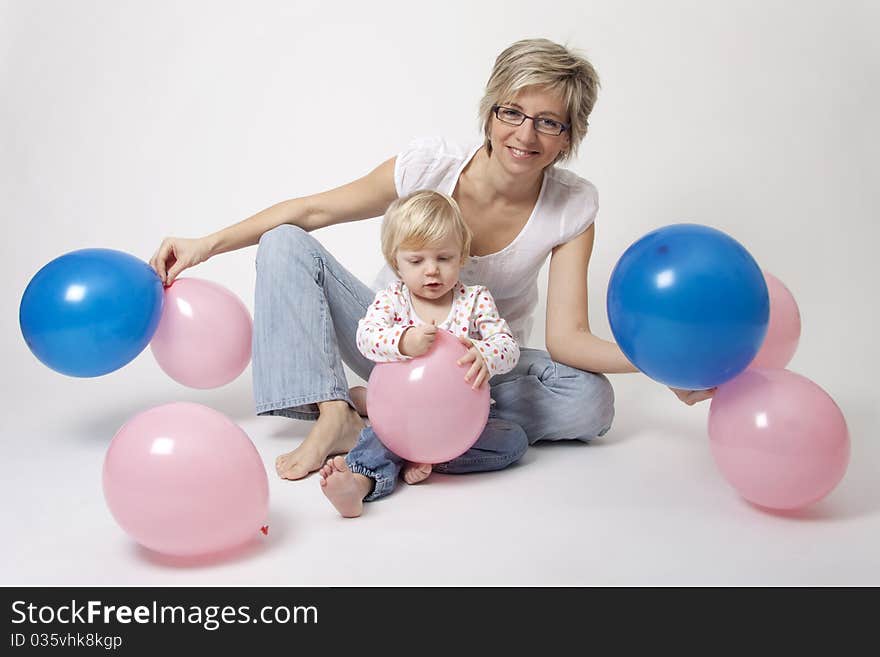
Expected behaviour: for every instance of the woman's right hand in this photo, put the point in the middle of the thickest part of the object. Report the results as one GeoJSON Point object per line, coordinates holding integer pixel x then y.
{"type": "Point", "coordinates": [176, 254]}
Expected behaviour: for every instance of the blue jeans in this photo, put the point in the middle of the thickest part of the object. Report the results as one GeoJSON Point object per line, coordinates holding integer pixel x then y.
{"type": "Point", "coordinates": [306, 311]}
{"type": "Point", "coordinates": [501, 444]}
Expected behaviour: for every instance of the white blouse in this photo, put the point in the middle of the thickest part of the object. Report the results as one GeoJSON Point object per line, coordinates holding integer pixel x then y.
{"type": "Point", "coordinates": [566, 207]}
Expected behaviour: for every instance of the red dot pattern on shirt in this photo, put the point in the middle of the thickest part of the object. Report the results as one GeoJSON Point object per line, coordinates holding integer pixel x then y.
{"type": "Point", "coordinates": [489, 333]}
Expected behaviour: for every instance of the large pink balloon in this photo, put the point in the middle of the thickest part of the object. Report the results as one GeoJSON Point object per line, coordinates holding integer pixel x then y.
{"type": "Point", "coordinates": [778, 438]}
{"type": "Point", "coordinates": [183, 479]}
{"type": "Point", "coordinates": [422, 409]}
{"type": "Point", "coordinates": [783, 330]}
{"type": "Point", "coordinates": [204, 337]}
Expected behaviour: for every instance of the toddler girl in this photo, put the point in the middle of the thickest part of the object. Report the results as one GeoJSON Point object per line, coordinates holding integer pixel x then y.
{"type": "Point", "coordinates": [425, 241]}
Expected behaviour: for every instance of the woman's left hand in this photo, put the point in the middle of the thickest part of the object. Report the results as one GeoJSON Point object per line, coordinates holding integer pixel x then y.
{"type": "Point", "coordinates": [691, 397]}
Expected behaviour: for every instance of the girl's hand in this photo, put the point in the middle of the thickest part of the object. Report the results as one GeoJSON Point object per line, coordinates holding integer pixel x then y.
{"type": "Point", "coordinates": [691, 397]}
{"type": "Point", "coordinates": [416, 340]}
{"type": "Point", "coordinates": [176, 254]}
{"type": "Point", "coordinates": [479, 367]}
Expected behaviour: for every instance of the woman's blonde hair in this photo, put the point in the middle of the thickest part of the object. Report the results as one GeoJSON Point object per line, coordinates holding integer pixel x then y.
{"type": "Point", "coordinates": [419, 219]}
{"type": "Point", "coordinates": [543, 63]}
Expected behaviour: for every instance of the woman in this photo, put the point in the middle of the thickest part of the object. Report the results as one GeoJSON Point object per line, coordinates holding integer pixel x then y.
{"type": "Point", "coordinates": [520, 208]}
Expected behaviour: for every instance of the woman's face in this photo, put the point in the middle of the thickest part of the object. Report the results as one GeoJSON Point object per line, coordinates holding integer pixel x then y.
{"type": "Point", "coordinates": [522, 149]}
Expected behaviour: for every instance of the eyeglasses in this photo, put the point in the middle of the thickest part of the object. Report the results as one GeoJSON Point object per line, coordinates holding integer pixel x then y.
{"type": "Point", "coordinates": [543, 125]}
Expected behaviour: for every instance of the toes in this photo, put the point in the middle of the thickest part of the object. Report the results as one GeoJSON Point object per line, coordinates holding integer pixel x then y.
{"type": "Point", "coordinates": [339, 463]}
{"type": "Point", "coordinates": [295, 471]}
{"type": "Point", "coordinates": [416, 473]}
{"type": "Point", "coordinates": [283, 463]}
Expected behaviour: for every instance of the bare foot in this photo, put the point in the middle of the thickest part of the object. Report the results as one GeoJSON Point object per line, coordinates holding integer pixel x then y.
{"type": "Point", "coordinates": [345, 489]}
{"type": "Point", "coordinates": [413, 473]}
{"type": "Point", "coordinates": [335, 432]}
{"type": "Point", "coordinates": [358, 396]}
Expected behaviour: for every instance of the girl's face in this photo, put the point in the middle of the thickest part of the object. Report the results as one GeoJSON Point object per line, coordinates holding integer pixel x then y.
{"type": "Point", "coordinates": [432, 271]}
{"type": "Point", "coordinates": [522, 148]}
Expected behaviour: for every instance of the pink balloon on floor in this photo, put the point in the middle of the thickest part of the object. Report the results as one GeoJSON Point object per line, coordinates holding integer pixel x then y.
{"type": "Point", "coordinates": [783, 330]}
{"type": "Point", "coordinates": [183, 479]}
{"type": "Point", "coordinates": [778, 438]}
{"type": "Point", "coordinates": [204, 337]}
{"type": "Point", "coordinates": [422, 409]}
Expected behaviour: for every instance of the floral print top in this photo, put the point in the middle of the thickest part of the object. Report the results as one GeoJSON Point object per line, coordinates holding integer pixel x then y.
{"type": "Point", "coordinates": [473, 315]}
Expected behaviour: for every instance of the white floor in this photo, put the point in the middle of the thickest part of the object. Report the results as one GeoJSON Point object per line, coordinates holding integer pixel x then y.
{"type": "Point", "coordinates": [645, 507]}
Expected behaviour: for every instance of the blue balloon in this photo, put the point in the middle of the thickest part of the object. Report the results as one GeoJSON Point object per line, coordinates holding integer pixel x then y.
{"type": "Point", "coordinates": [90, 312]}
{"type": "Point", "coordinates": [688, 306]}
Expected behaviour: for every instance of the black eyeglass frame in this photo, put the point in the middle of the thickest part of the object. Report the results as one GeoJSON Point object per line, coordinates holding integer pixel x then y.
{"type": "Point", "coordinates": [497, 108]}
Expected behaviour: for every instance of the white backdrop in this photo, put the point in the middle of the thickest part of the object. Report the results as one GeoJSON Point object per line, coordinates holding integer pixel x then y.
{"type": "Point", "coordinates": [123, 122]}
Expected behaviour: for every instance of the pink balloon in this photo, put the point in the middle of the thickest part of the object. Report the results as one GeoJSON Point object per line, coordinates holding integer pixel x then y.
{"type": "Point", "coordinates": [422, 409]}
{"type": "Point", "coordinates": [183, 479]}
{"type": "Point", "coordinates": [784, 329]}
{"type": "Point", "coordinates": [778, 438]}
{"type": "Point", "coordinates": [204, 337]}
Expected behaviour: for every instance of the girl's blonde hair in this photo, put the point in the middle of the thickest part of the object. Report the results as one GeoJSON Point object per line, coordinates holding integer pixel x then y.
{"type": "Point", "coordinates": [422, 218]}
{"type": "Point", "coordinates": [543, 63]}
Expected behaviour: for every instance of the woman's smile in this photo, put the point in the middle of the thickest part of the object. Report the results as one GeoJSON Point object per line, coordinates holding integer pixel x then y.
{"type": "Point", "coordinates": [520, 154]}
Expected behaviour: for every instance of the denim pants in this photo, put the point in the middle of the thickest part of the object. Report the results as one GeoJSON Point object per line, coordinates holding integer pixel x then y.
{"type": "Point", "coordinates": [306, 312]}
{"type": "Point", "coordinates": [500, 444]}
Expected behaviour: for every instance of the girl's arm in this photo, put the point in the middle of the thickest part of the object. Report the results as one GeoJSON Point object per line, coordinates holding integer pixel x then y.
{"type": "Point", "coordinates": [496, 345]}
{"type": "Point", "coordinates": [380, 330]}
{"type": "Point", "coordinates": [363, 198]}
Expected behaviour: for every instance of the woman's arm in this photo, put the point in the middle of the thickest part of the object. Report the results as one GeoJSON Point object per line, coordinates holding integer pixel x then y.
{"type": "Point", "coordinates": [363, 198]}
{"type": "Point", "coordinates": [568, 336]}
{"type": "Point", "coordinates": [569, 339]}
